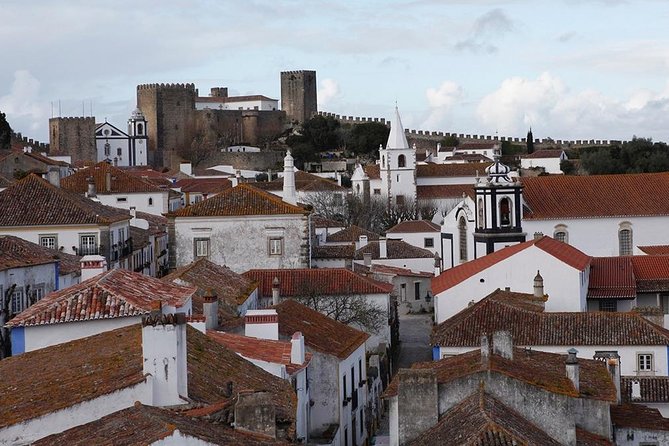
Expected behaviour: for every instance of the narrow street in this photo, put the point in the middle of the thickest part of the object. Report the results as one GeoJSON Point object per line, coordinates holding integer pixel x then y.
{"type": "Point", "coordinates": [414, 339]}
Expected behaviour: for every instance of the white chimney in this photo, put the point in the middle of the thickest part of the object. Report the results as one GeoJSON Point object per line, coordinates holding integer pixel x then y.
{"type": "Point", "coordinates": [210, 310]}
{"type": "Point", "coordinates": [362, 242]}
{"type": "Point", "coordinates": [636, 390]}
{"type": "Point", "coordinates": [91, 188]}
{"type": "Point", "coordinates": [165, 358]}
{"type": "Point", "coordinates": [538, 285]}
{"type": "Point", "coordinates": [108, 180]}
{"type": "Point", "coordinates": [383, 248]}
{"type": "Point", "coordinates": [289, 192]}
{"type": "Point", "coordinates": [262, 324]}
{"type": "Point", "coordinates": [133, 212]}
{"type": "Point", "coordinates": [53, 176]}
{"type": "Point", "coordinates": [92, 265]}
{"type": "Point", "coordinates": [437, 264]}
{"type": "Point", "coordinates": [367, 258]}
{"type": "Point", "coordinates": [571, 364]}
{"type": "Point", "coordinates": [276, 293]}
{"type": "Point", "coordinates": [297, 348]}
{"type": "Point", "coordinates": [186, 168]}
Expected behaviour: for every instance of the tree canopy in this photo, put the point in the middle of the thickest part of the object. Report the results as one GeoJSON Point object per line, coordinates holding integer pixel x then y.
{"type": "Point", "coordinates": [639, 155]}
{"type": "Point", "coordinates": [5, 133]}
{"type": "Point", "coordinates": [364, 139]}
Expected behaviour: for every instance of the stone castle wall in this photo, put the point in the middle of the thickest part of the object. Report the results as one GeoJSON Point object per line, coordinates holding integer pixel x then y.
{"type": "Point", "coordinates": [74, 136]}
{"type": "Point", "coordinates": [19, 139]}
{"type": "Point", "coordinates": [298, 95]}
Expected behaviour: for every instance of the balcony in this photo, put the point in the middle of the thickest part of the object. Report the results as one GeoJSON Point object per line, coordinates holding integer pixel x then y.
{"type": "Point", "coordinates": [88, 250]}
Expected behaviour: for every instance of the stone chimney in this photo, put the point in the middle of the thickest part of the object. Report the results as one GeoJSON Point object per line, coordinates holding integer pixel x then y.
{"type": "Point", "coordinates": [417, 403]}
{"type": "Point", "coordinates": [255, 412]}
{"type": "Point", "coordinates": [297, 351]}
{"type": "Point", "coordinates": [613, 365]}
{"type": "Point", "coordinates": [108, 180]}
{"type": "Point", "coordinates": [53, 175]}
{"type": "Point", "coordinates": [636, 390]}
{"type": "Point", "coordinates": [652, 314]}
{"type": "Point", "coordinates": [502, 344]}
{"type": "Point", "coordinates": [437, 264]}
{"type": "Point", "coordinates": [538, 285]}
{"type": "Point", "coordinates": [289, 192]}
{"type": "Point", "coordinates": [367, 258]}
{"type": "Point", "coordinates": [91, 188]}
{"type": "Point", "coordinates": [133, 211]}
{"type": "Point", "coordinates": [210, 310]}
{"type": "Point", "coordinates": [383, 248]}
{"type": "Point", "coordinates": [485, 351]}
{"type": "Point", "coordinates": [572, 367]}
{"type": "Point", "coordinates": [538, 235]}
{"type": "Point", "coordinates": [91, 266]}
{"type": "Point", "coordinates": [165, 358]}
{"type": "Point", "coordinates": [262, 324]}
{"type": "Point", "coordinates": [276, 291]}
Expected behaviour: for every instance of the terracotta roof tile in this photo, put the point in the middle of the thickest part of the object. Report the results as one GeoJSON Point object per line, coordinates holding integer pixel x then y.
{"type": "Point", "coordinates": [567, 196]}
{"type": "Point", "coordinates": [585, 438]}
{"type": "Point", "coordinates": [654, 389]}
{"type": "Point", "coordinates": [121, 182]}
{"type": "Point", "coordinates": [561, 251]}
{"type": "Point", "coordinates": [639, 417]}
{"type": "Point", "coordinates": [204, 185]}
{"type": "Point", "coordinates": [141, 425]}
{"type": "Point", "coordinates": [304, 181]}
{"type": "Point", "coordinates": [415, 226]}
{"type": "Point", "coordinates": [326, 281]}
{"type": "Point", "coordinates": [612, 278]}
{"type": "Point", "coordinates": [333, 251]}
{"type": "Point", "coordinates": [33, 201]}
{"type": "Point", "coordinates": [658, 250]}
{"type": "Point", "coordinates": [540, 369]}
{"type": "Point", "coordinates": [115, 293]}
{"type": "Point", "coordinates": [18, 253]}
{"type": "Point", "coordinates": [4, 182]}
{"type": "Point", "coordinates": [395, 249]}
{"type": "Point", "coordinates": [322, 222]}
{"type": "Point", "coordinates": [351, 234]}
{"type": "Point", "coordinates": [321, 333]}
{"type": "Point", "coordinates": [482, 420]}
{"type": "Point", "coordinates": [277, 352]}
{"type": "Point", "coordinates": [239, 201]}
{"type": "Point", "coordinates": [544, 153]}
{"type": "Point", "coordinates": [451, 170]}
{"type": "Point", "coordinates": [373, 171]}
{"type": "Point", "coordinates": [220, 99]}
{"type": "Point", "coordinates": [532, 328]}
{"type": "Point", "coordinates": [392, 270]}
{"type": "Point", "coordinates": [157, 223]}
{"type": "Point", "coordinates": [455, 191]}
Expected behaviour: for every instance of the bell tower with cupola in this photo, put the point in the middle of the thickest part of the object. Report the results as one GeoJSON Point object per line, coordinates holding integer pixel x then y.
{"type": "Point", "coordinates": [499, 210]}
{"type": "Point", "coordinates": [138, 155]}
{"type": "Point", "coordinates": [398, 166]}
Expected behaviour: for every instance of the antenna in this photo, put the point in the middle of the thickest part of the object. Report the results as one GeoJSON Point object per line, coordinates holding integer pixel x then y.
{"type": "Point", "coordinates": [59, 109]}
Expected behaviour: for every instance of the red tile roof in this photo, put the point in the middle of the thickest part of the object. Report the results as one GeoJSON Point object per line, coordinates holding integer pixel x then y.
{"type": "Point", "coordinates": [18, 253]}
{"type": "Point", "coordinates": [322, 222]}
{"type": "Point", "coordinates": [326, 281]}
{"type": "Point", "coordinates": [142, 425]}
{"type": "Point", "coordinates": [239, 201]}
{"type": "Point", "coordinates": [395, 249]}
{"type": "Point", "coordinates": [321, 333]}
{"type": "Point", "coordinates": [277, 352]}
{"type": "Point", "coordinates": [561, 251]}
{"type": "Point", "coordinates": [373, 171]}
{"type": "Point", "coordinates": [351, 234]}
{"type": "Point", "coordinates": [566, 196]}
{"type": "Point", "coordinates": [482, 420]}
{"type": "Point", "coordinates": [390, 270]}
{"type": "Point", "coordinates": [333, 251]}
{"type": "Point", "coordinates": [539, 369]}
{"type": "Point", "coordinates": [585, 438]}
{"type": "Point", "coordinates": [4, 182]}
{"type": "Point", "coordinates": [304, 181]}
{"type": "Point", "coordinates": [612, 278]}
{"type": "Point", "coordinates": [638, 416]}
{"type": "Point", "coordinates": [415, 226]}
{"type": "Point", "coordinates": [451, 170]}
{"type": "Point", "coordinates": [32, 201]}
{"type": "Point", "coordinates": [455, 191]}
{"type": "Point", "coordinates": [653, 389]}
{"type": "Point", "coordinates": [121, 182]}
{"type": "Point", "coordinates": [204, 185]}
{"type": "Point", "coordinates": [535, 328]}
{"type": "Point", "coordinates": [220, 99]}
{"type": "Point", "coordinates": [544, 153]}
{"type": "Point", "coordinates": [115, 293]}
{"type": "Point", "coordinates": [157, 223]}
{"type": "Point", "coordinates": [658, 250]}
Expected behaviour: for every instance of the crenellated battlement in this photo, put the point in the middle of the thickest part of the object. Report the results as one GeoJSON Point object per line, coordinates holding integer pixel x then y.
{"type": "Point", "coordinates": [74, 118]}
{"type": "Point", "coordinates": [168, 86]}
{"type": "Point", "coordinates": [298, 72]}
{"type": "Point", "coordinates": [29, 142]}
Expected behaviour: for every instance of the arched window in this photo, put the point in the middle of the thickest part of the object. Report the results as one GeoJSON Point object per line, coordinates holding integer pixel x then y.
{"type": "Point", "coordinates": [462, 229]}
{"type": "Point", "coordinates": [150, 201]}
{"type": "Point", "coordinates": [560, 233]}
{"type": "Point", "coordinates": [505, 212]}
{"type": "Point", "coordinates": [383, 161]}
{"type": "Point", "coordinates": [481, 216]}
{"type": "Point", "coordinates": [140, 129]}
{"type": "Point", "coordinates": [625, 243]}
{"type": "Point", "coordinates": [357, 188]}
{"type": "Point", "coordinates": [401, 161]}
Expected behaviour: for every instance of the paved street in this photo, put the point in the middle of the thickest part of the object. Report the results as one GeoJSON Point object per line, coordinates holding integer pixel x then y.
{"type": "Point", "coordinates": [414, 339]}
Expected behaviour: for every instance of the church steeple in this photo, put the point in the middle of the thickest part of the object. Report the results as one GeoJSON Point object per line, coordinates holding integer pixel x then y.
{"type": "Point", "coordinates": [397, 139]}
{"type": "Point", "coordinates": [398, 165]}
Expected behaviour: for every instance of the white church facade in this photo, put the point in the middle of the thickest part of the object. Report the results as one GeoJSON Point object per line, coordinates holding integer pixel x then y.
{"type": "Point", "coordinates": [120, 148]}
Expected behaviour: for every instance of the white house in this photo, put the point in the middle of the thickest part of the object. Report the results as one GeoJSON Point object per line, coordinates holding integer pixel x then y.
{"type": "Point", "coordinates": [103, 301]}
{"type": "Point", "coordinates": [41, 213]}
{"type": "Point", "coordinates": [547, 159]}
{"type": "Point", "coordinates": [116, 187]}
{"type": "Point", "coordinates": [419, 233]}
{"type": "Point", "coordinates": [120, 148]}
{"type": "Point", "coordinates": [412, 288]}
{"type": "Point", "coordinates": [338, 374]}
{"type": "Point", "coordinates": [243, 228]}
{"type": "Point", "coordinates": [219, 100]}
{"type": "Point", "coordinates": [564, 271]}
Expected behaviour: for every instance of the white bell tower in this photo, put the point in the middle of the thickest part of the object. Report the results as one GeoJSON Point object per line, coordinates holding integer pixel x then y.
{"type": "Point", "coordinates": [138, 139]}
{"type": "Point", "coordinates": [398, 166]}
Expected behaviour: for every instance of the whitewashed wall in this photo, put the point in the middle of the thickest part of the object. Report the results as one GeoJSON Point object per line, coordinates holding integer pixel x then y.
{"type": "Point", "coordinates": [139, 201]}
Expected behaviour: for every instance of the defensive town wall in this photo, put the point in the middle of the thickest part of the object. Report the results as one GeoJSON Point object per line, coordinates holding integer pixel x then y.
{"type": "Point", "coordinates": [18, 139]}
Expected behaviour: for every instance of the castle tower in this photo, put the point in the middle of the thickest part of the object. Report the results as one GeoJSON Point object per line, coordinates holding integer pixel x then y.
{"type": "Point", "coordinates": [169, 110]}
{"type": "Point", "coordinates": [74, 137]}
{"type": "Point", "coordinates": [138, 143]}
{"type": "Point", "coordinates": [298, 95]}
{"type": "Point", "coordinates": [498, 210]}
{"type": "Point", "coordinates": [398, 166]}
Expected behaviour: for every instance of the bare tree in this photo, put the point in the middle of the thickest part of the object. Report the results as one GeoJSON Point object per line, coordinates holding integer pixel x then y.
{"type": "Point", "coordinates": [201, 148]}
{"type": "Point", "coordinates": [5, 316]}
{"type": "Point", "coordinates": [347, 307]}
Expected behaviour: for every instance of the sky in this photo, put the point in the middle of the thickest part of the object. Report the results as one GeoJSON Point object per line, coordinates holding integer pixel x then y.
{"type": "Point", "coordinates": [570, 69]}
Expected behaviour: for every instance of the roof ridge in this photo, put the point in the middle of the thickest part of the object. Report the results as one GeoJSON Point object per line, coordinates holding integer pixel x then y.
{"type": "Point", "coordinates": [275, 198]}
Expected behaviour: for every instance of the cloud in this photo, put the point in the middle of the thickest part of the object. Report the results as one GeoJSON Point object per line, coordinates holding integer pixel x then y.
{"type": "Point", "coordinates": [548, 105]}
{"type": "Point", "coordinates": [22, 105]}
{"type": "Point", "coordinates": [329, 90]}
{"type": "Point", "coordinates": [441, 101]}
{"type": "Point", "coordinates": [485, 30]}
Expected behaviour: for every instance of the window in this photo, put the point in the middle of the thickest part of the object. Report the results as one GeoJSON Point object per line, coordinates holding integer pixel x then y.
{"type": "Point", "coordinates": [462, 233]}
{"type": "Point", "coordinates": [416, 290]}
{"type": "Point", "coordinates": [644, 362]}
{"type": "Point", "coordinates": [480, 212]}
{"type": "Point", "coordinates": [625, 239]}
{"type": "Point", "coordinates": [399, 200]}
{"type": "Point", "coordinates": [140, 129]}
{"type": "Point", "coordinates": [121, 235]}
{"type": "Point", "coordinates": [377, 191]}
{"type": "Point", "coordinates": [428, 242]}
{"type": "Point", "coordinates": [18, 303]}
{"type": "Point", "coordinates": [119, 151]}
{"type": "Point", "coordinates": [561, 234]}
{"type": "Point", "coordinates": [403, 292]}
{"type": "Point", "coordinates": [608, 305]}
{"type": "Point", "coordinates": [38, 293]}
{"type": "Point", "coordinates": [49, 241]}
{"type": "Point", "coordinates": [121, 199]}
{"type": "Point", "coordinates": [201, 247]}
{"type": "Point", "coordinates": [401, 161]}
{"type": "Point", "coordinates": [504, 212]}
{"type": "Point", "coordinates": [362, 422]}
{"type": "Point", "coordinates": [275, 246]}
{"type": "Point", "coordinates": [343, 380]}
{"type": "Point", "coordinates": [87, 245]}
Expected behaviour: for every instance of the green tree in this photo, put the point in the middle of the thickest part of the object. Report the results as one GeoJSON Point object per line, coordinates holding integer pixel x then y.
{"type": "Point", "coordinates": [567, 167]}
{"type": "Point", "coordinates": [530, 141]}
{"type": "Point", "coordinates": [364, 139]}
{"type": "Point", "coordinates": [450, 141]}
{"type": "Point", "coordinates": [636, 156]}
{"type": "Point", "coordinates": [5, 133]}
